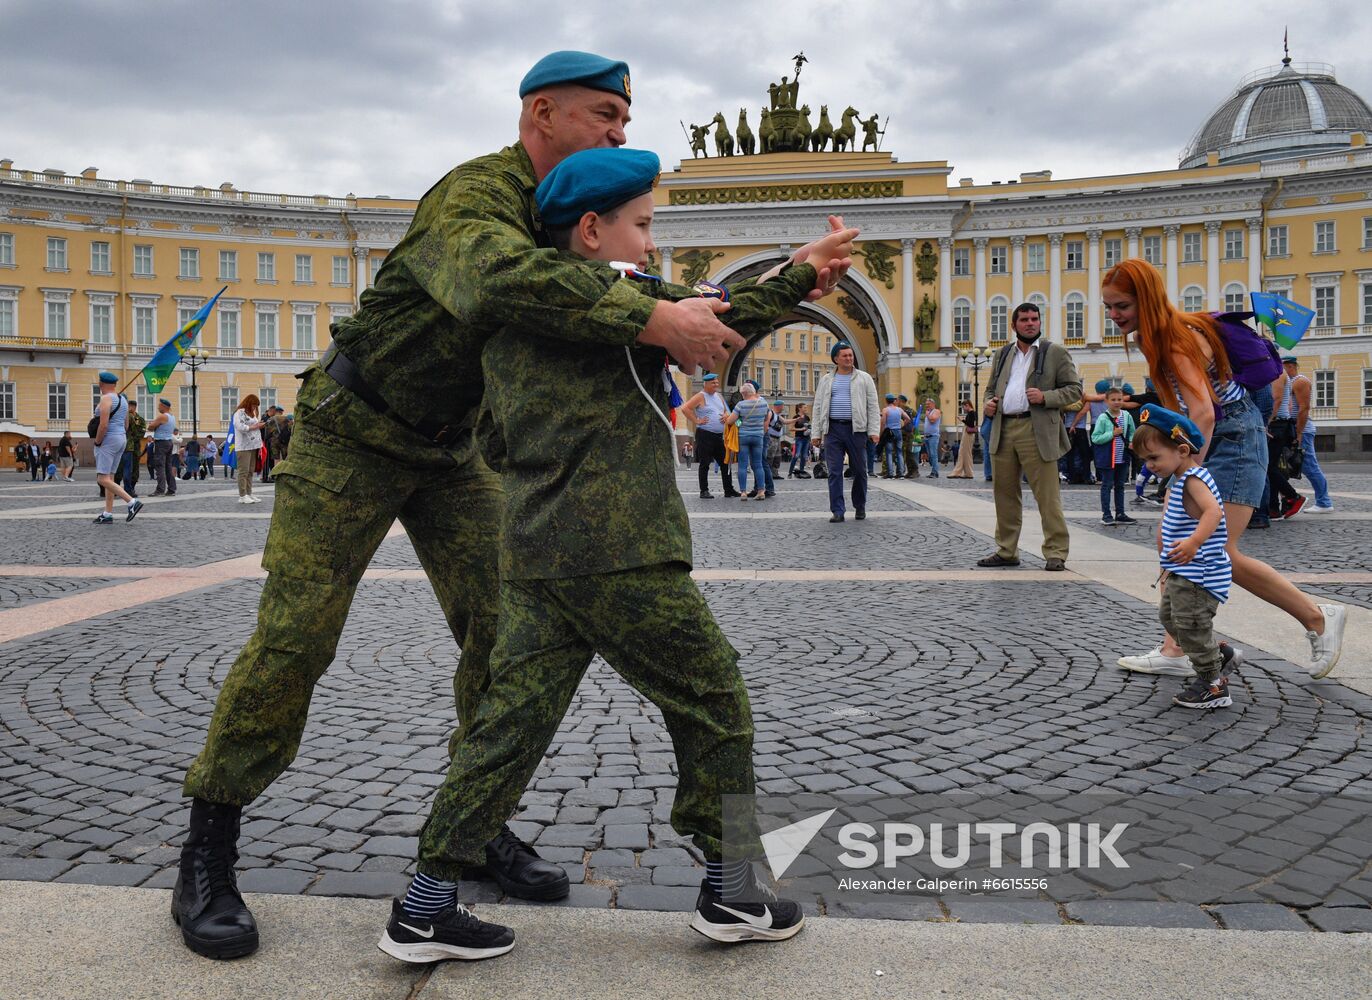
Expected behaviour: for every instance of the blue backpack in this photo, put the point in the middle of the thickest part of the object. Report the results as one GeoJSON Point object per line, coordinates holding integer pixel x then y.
{"type": "Point", "coordinates": [1253, 358]}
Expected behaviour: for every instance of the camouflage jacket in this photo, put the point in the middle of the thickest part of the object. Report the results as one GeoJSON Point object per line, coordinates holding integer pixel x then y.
{"type": "Point", "coordinates": [587, 464]}
{"type": "Point", "coordinates": [138, 426]}
{"type": "Point", "coordinates": [475, 260]}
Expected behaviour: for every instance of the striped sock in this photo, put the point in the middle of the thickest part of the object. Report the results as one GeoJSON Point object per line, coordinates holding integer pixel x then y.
{"type": "Point", "coordinates": [728, 879]}
{"type": "Point", "coordinates": [428, 897]}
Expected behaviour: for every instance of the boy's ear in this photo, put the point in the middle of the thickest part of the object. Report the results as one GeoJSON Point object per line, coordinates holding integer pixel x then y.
{"type": "Point", "coordinates": [588, 231]}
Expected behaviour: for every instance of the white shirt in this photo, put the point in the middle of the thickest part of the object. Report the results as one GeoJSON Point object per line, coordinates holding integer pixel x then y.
{"type": "Point", "coordinates": [1015, 399]}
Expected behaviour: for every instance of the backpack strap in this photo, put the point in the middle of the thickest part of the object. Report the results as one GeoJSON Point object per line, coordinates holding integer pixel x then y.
{"type": "Point", "coordinates": [1000, 363]}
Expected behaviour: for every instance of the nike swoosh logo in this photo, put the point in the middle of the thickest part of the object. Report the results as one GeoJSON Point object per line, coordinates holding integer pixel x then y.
{"type": "Point", "coordinates": [415, 930]}
{"type": "Point", "coordinates": [763, 921]}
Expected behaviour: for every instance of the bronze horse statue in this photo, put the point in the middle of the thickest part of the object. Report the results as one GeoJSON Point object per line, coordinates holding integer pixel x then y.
{"type": "Point", "coordinates": [803, 128]}
{"type": "Point", "coordinates": [823, 132]}
{"type": "Point", "coordinates": [747, 143]}
{"type": "Point", "coordinates": [765, 132]}
{"type": "Point", "coordinates": [846, 132]}
{"type": "Point", "coordinates": [724, 142]}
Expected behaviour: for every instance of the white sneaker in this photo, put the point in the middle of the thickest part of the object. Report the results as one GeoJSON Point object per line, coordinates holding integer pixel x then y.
{"type": "Point", "coordinates": [1325, 649]}
{"type": "Point", "coordinates": [1153, 662]}
{"type": "Point", "coordinates": [245, 499]}
{"type": "Point", "coordinates": [1319, 510]}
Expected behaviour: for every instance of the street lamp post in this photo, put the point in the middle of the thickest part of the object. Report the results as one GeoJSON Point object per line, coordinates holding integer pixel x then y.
{"type": "Point", "coordinates": [195, 358]}
{"type": "Point", "coordinates": [975, 358]}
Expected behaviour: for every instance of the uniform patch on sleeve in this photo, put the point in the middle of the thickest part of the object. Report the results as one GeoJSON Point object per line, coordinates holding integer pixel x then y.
{"type": "Point", "coordinates": [709, 290]}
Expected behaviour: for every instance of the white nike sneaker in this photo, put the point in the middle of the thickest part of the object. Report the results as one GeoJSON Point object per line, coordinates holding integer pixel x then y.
{"type": "Point", "coordinates": [1325, 649]}
{"type": "Point", "coordinates": [759, 917]}
{"type": "Point", "coordinates": [1154, 662]}
{"type": "Point", "coordinates": [1317, 509]}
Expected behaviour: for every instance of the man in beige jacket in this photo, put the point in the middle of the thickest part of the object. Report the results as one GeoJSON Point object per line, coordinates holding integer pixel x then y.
{"type": "Point", "coordinates": [846, 412]}
{"type": "Point", "coordinates": [1031, 381]}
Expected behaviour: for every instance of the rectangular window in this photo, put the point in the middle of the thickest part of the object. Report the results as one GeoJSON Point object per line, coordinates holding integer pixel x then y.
{"type": "Point", "coordinates": [6, 400]}
{"type": "Point", "coordinates": [267, 395]}
{"type": "Point", "coordinates": [374, 266]}
{"type": "Point", "coordinates": [1037, 256]}
{"type": "Point", "coordinates": [57, 320]}
{"type": "Point", "coordinates": [57, 401]}
{"type": "Point", "coordinates": [1233, 244]}
{"type": "Point", "coordinates": [6, 249]}
{"type": "Point", "coordinates": [790, 379]}
{"type": "Point", "coordinates": [1324, 306]}
{"type": "Point", "coordinates": [304, 267]}
{"type": "Point", "coordinates": [803, 342]}
{"type": "Point", "coordinates": [1324, 237]}
{"type": "Point", "coordinates": [1192, 300]}
{"type": "Point", "coordinates": [1000, 260]}
{"type": "Point", "coordinates": [304, 332]}
{"type": "Point", "coordinates": [962, 262]}
{"type": "Point", "coordinates": [1076, 258]}
{"type": "Point", "coordinates": [102, 323]}
{"type": "Point", "coordinates": [1276, 241]}
{"type": "Point", "coordinates": [1366, 237]}
{"type": "Point", "coordinates": [184, 314]}
{"type": "Point", "coordinates": [1324, 388]}
{"type": "Point", "coordinates": [100, 257]}
{"type": "Point", "coordinates": [1234, 301]}
{"type": "Point", "coordinates": [962, 323]}
{"type": "Point", "coordinates": [228, 265]}
{"type": "Point", "coordinates": [1152, 250]}
{"type": "Point", "coordinates": [828, 344]}
{"type": "Point", "coordinates": [188, 407]}
{"type": "Point", "coordinates": [1075, 314]}
{"type": "Point", "coordinates": [57, 253]}
{"type": "Point", "coordinates": [776, 379]}
{"type": "Point", "coordinates": [1114, 252]}
{"type": "Point", "coordinates": [266, 331]}
{"type": "Point", "coordinates": [144, 321]}
{"type": "Point", "coordinates": [805, 380]}
{"type": "Point", "coordinates": [1366, 391]}
{"type": "Point", "coordinates": [7, 318]}
{"type": "Point", "coordinates": [190, 263]}
{"type": "Point", "coordinates": [228, 402]}
{"type": "Point", "coordinates": [1367, 303]}
{"type": "Point", "coordinates": [147, 402]}
{"type": "Point", "coordinates": [340, 271]}
{"type": "Point", "coordinates": [95, 396]}
{"type": "Point", "coordinates": [965, 393]}
{"type": "Point", "coordinates": [1190, 248]}
{"type": "Point", "coordinates": [999, 320]}
{"type": "Point", "coordinates": [228, 328]}
{"type": "Point", "coordinates": [142, 260]}
{"type": "Point", "coordinates": [266, 266]}
{"type": "Point", "coordinates": [774, 340]}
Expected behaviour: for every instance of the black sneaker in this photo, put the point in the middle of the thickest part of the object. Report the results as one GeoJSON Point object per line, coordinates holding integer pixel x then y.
{"type": "Point", "coordinates": [104, 519]}
{"type": "Point", "coordinates": [1205, 694]}
{"type": "Point", "coordinates": [134, 508]}
{"type": "Point", "coordinates": [762, 918]}
{"type": "Point", "coordinates": [1107, 519]}
{"type": "Point", "coordinates": [706, 495]}
{"type": "Point", "coordinates": [860, 514]}
{"type": "Point", "coordinates": [454, 933]}
{"type": "Point", "coordinates": [1125, 519]}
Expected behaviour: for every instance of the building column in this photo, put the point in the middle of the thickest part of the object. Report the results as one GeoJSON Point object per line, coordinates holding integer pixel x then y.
{"type": "Point", "coordinates": [1093, 307]}
{"type": "Point", "coordinates": [1055, 287]}
{"type": "Point", "coordinates": [907, 295]}
{"type": "Point", "coordinates": [360, 255]}
{"type": "Point", "coordinates": [1016, 271]}
{"type": "Point", "coordinates": [1212, 266]}
{"type": "Point", "coordinates": [1132, 234]}
{"type": "Point", "coordinates": [1254, 254]}
{"type": "Point", "coordinates": [945, 292]}
{"type": "Point", "coordinates": [979, 334]}
{"type": "Point", "coordinates": [1170, 241]}
{"type": "Point", "coordinates": [666, 262]}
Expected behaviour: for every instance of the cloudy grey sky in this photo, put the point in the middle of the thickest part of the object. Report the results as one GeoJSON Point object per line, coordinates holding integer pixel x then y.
{"type": "Point", "coordinates": [382, 97]}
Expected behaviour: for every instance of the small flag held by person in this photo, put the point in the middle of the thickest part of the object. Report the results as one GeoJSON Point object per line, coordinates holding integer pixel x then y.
{"type": "Point", "coordinates": [228, 454]}
{"type": "Point", "coordinates": [1287, 320]}
{"type": "Point", "coordinates": [161, 365]}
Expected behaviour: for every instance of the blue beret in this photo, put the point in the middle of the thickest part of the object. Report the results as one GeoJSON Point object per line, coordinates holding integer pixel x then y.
{"type": "Point", "coordinates": [890, 397]}
{"type": "Point", "coordinates": [1148, 384]}
{"type": "Point", "coordinates": [165, 402]}
{"type": "Point", "coordinates": [1103, 385]}
{"type": "Point", "coordinates": [594, 180]}
{"type": "Point", "coordinates": [109, 378]}
{"type": "Point", "coordinates": [1289, 359]}
{"type": "Point", "coordinates": [1175, 425]}
{"type": "Point", "coordinates": [838, 346]}
{"type": "Point", "coordinates": [709, 377]}
{"type": "Point", "coordinates": [1127, 389]}
{"type": "Point", "coordinates": [754, 383]}
{"type": "Point", "coordinates": [584, 68]}
{"type": "Point", "coordinates": [903, 397]}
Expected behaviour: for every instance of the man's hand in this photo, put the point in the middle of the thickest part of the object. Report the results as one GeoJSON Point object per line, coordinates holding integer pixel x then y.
{"type": "Point", "coordinates": [874, 438]}
{"type": "Point", "coordinates": [990, 408]}
{"type": "Point", "coordinates": [1184, 551]}
{"type": "Point", "coordinates": [1034, 396]}
{"type": "Point", "coordinates": [690, 333]}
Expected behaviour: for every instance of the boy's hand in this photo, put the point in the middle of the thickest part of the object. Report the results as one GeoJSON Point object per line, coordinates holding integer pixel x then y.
{"type": "Point", "coordinates": [1119, 431]}
{"type": "Point", "coordinates": [1184, 551]}
{"type": "Point", "coordinates": [833, 251]}
{"type": "Point", "coordinates": [830, 270]}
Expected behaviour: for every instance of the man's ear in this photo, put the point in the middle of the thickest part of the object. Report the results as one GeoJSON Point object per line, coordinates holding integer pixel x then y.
{"type": "Point", "coordinates": [542, 110]}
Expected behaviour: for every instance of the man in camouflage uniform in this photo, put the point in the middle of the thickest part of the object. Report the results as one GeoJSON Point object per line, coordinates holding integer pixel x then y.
{"type": "Point", "coordinates": [911, 441]}
{"type": "Point", "coordinates": [384, 434]}
{"type": "Point", "coordinates": [128, 468]}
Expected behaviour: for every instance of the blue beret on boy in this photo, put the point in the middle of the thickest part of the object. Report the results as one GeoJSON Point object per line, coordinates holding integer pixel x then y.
{"type": "Point", "coordinates": [595, 180]}
{"type": "Point", "coordinates": [109, 378]}
{"type": "Point", "coordinates": [584, 68]}
{"type": "Point", "coordinates": [838, 346]}
{"type": "Point", "coordinates": [1175, 425]}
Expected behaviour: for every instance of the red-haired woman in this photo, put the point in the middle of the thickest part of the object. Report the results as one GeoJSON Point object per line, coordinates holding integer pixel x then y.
{"type": "Point", "coordinates": [247, 441]}
{"type": "Point", "coordinates": [1190, 368]}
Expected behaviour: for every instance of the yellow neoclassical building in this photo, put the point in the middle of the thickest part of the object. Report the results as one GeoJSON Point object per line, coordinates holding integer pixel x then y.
{"type": "Point", "coordinates": [1273, 192]}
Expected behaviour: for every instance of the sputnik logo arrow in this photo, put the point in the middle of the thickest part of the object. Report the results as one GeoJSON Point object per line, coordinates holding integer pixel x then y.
{"type": "Point", "coordinates": [784, 845]}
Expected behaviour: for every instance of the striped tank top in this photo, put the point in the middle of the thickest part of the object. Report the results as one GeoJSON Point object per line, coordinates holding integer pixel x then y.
{"type": "Point", "coordinates": [1210, 568]}
{"type": "Point", "coordinates": [1288, 408]}
{"type": "Point", "coordinates": [1226, 390]}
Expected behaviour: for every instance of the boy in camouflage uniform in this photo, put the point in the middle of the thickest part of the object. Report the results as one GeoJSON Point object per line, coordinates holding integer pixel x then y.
{"type": "Point", "coordinates": [595, 557]}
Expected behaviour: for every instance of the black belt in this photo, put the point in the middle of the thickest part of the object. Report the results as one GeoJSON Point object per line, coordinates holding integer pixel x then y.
{"type": "Point", "coordinates": [840, 421]}
{"type": "Point", "coordinates": [339, 368]}
{"type": "Point", "coordinates": [1016, 416]}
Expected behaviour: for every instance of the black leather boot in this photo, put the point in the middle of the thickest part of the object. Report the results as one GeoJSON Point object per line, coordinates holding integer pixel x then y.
{"type": "Point", "coordinates": [206, 903]}
{"type": "Point", "coordinates": [521, 872]}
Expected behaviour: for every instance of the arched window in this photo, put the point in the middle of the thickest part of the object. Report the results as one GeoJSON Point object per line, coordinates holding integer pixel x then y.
{"type": "Point", "coordinates": [1040, 300]}
{"type": "Point", "coordinates": [1192, 298]}
{"type": "Point", "coordinates": [962, 321]}
{"type": "Point", "coordinates": [1235, 297]}
{"type": "Point", "coordinates": [998, 313]}
{"type": "Point", "coordinates": [1074, 313]}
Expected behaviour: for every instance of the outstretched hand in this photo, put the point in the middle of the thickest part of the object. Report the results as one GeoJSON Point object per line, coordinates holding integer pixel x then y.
{"type": "Point", "coordinates": [835, 249]}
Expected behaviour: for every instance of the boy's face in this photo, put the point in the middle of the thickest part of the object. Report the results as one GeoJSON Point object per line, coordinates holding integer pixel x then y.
{"type": "Point", "coordinates": [624, 234]}
{"type": "Point", "coordinates": [1161, 460]}
{"type": "Point", "coordinates": [1114, 399]}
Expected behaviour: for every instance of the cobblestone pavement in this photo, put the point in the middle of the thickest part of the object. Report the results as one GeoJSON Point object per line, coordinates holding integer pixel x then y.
{"type": "Point", "coordinates": [977, 684]}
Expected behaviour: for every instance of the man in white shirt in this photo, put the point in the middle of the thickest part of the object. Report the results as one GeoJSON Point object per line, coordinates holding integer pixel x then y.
{"type": "Point", "coordinates": [1031, 382]}
{"type": "Point", "coordinates": [846, 412]}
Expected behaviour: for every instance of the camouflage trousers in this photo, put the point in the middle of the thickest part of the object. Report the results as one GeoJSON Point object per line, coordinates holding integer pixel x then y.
{"type": "Point", "coordinates": [653, 627]}
{"type": "Point", "coordinates": [351, 474]}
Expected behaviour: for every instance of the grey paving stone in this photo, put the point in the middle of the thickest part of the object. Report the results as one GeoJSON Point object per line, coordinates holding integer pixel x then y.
{"type": "Point", "coordinates": [373, 885]}
{"type": "Point", "coordinates": [1138, 913]}
{"type": "Point", "coordinates": [277, 880]}
{"type": "Point", "coordinates": [32, 869]}
{"type": "Point", "coordinates": [401, 847]}
{"type": "Point", "coordinates": [1003, 911]}
{"type": "Point", "coordinates": [580, 895]}
{"type": "Point", "coordinates": [1341, 919]}
{"type": "Point", "coordinates": [893, 908]}
{"type": "Point", "coordinates": [634, 837]}
{"type": "Point", "coordinates": [1259, 917]}
{"type": "Point", "coordinates": [656, 897]}
{"type": "Point", "coordinates": [108, 874]}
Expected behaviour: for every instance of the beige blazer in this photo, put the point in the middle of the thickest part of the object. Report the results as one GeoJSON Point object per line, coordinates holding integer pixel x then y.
{"type": "Point", "coordinates": [1053, 372]}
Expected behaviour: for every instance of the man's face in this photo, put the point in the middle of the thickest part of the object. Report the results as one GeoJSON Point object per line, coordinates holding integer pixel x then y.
{"type": "Point", "coordinates": [1290, 369]}
{"type": "Point", "coordinates": [844, 358]}
{"type": "Point", "coordinates": [712, 387]}
{"type": "Point", "coordinates": [1121, 308]}
{"type": "Point", "coordinates": [1028, 324]}
{"type": "Point", "coordinates": [626, 233]}
{"type": "Point", "coordinates": [583, 118]}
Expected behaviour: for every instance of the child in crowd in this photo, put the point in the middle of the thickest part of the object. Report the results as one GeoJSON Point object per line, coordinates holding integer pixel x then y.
{"type": "Point", "coordinates": [1112, 433]}
{"type": "Point", "coordinates": [1196, 571]}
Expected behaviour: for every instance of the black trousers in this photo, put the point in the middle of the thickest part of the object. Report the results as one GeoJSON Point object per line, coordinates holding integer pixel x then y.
{"type": "Point", "coordinates": [1283, 434]}
{"type": "Point", "coordinates": [710, 448]}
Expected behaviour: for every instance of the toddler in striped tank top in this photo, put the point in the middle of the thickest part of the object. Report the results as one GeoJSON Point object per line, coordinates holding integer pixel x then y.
{"type": "Point", "coordinates": [1196, 571]}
